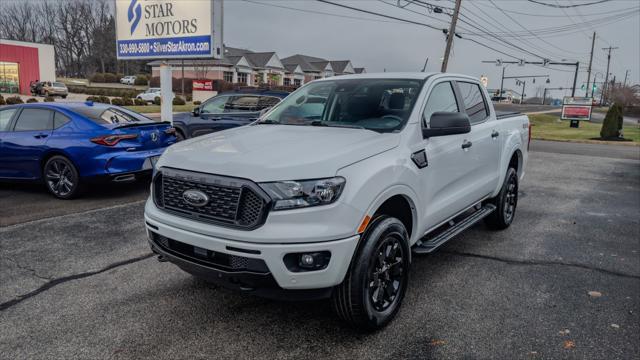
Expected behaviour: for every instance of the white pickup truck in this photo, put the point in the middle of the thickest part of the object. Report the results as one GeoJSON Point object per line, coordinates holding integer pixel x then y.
{"type": "Point", "coordinates": [333, 189]}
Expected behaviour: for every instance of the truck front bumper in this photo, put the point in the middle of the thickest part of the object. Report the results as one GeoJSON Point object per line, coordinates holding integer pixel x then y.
{"type": "Point", "coordinates": [252, 267]}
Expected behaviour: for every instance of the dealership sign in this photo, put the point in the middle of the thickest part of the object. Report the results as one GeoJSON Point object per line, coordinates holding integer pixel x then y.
{"type": "Point", "coordinates": [576, 108]}
{"type": "Point", "coordinates": [168, 29]}
{"type": "Point", "coordinates": [203, 85]}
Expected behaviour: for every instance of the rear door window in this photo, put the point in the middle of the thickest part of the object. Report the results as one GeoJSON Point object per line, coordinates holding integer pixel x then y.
{"type": "Point", "coordinates": [5, 118]}
{"type": "Point", "coordinates": [242, 104]}
{"type": "Point", "coordinates": [267, 102]}
{"type": "Point", "coordinates": [474, 103]}
{"type": "Point", "coordinates": [34, 120]}
{"type": "Point", "coordinates": [60, 120]}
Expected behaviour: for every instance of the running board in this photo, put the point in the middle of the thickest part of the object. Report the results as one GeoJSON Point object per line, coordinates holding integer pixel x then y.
{"type": "Point", "coordinates": [427, 245]}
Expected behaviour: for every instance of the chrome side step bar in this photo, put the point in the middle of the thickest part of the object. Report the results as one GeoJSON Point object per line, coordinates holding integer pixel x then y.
{"type": "Point", "coordinates": [429, 244]}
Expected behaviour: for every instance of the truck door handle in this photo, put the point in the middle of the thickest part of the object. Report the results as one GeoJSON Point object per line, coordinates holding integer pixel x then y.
{"type": "Point", "coordinates": [495, 134]}
{"type": "Point", "coordinates": [466, 144]}
{"type": "Point", "coordinates": [40, 136]}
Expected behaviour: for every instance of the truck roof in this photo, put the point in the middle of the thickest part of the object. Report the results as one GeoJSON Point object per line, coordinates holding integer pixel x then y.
{"type": "Point", "coordinates": [398, 75]}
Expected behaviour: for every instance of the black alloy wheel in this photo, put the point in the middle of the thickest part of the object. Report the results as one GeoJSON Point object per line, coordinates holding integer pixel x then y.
{"type": "Point", "coordinates": [371, 293]}
{"type": "Point", "coordinates": [505, 203]}
{"type": "Point", "coordinates": [61, 177]}
{"type": "Point", "coordinates": [386, 274]}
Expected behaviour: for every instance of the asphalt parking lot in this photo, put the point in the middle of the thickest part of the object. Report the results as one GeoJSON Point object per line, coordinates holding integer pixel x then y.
{"type": "Point", "coordinates": [77, 280]}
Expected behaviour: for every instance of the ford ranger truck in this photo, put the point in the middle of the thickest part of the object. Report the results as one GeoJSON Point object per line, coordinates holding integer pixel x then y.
{"type": "Point", "coordinates": [332, 191]}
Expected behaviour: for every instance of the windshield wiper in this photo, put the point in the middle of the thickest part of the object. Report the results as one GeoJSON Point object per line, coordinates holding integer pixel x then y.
{"type": "Point", "coordinates": [324, 123]}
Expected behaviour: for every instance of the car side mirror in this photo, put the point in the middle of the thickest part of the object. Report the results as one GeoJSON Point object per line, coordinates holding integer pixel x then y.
{"type": "Point", "coordinates": [196, 111]}
{"type": "Point", "coordinates": [447, 123]}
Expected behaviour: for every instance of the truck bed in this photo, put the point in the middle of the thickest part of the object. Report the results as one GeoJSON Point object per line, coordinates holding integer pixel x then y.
{"type": "Point", "coordinates": [506, 114]}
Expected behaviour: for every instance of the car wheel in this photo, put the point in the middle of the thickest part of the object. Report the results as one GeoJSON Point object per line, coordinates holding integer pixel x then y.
{"type": "Point", "coordinates": [64, 96]}
{"type": "Point", "coordinates": [179, 135]}
{"type": "Point", "coordinates": [61, 177]}
{"type": "Point", "coordinates": [506, 203]}
{"type": "Point", "coordinates": [373, 289]}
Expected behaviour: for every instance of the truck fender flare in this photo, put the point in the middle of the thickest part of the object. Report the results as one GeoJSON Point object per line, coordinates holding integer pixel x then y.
{"type": "Point", "coordinates": [408, 194]}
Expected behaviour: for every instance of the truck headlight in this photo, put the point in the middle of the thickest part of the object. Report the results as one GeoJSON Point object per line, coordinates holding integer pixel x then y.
{"type": "Point", "coordinates": [298, 194]}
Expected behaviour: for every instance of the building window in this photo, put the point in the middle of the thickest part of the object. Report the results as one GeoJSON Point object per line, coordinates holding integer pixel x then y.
{"type": "Point", "coordinates": [242, 78]}
{"type": "Point", "coordinates": [317, 77]}
{"type": "Point", "coordinates": [228, 76]}
{"type": "Point", "coordinates": [9, 78]}
{"type": "Point", "coordinates": [287, 81]}
{"type": "Point", "coordinates": [297, 82]}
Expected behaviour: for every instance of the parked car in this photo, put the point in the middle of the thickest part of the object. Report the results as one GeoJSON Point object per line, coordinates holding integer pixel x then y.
{"type": "Point", "coordinates": [128, 80]}
{"type": "Point", "coordinates": [327, 195]}
{"type": "Point", "coordinates": [66, 145]}
{"type": "Point", "coordinates": [149, 95]}
{"type": "Point", "coordinates": [225, 111]}
{"type": "Point", "coordinates": [49, 88]}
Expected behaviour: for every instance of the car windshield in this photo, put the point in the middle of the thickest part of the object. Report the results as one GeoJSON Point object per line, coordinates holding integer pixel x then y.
{"type": "Point", "coordinates": [59, 84]}
{"type": "Point", "coordinates": [382, 105]}
{"type": "Point", "coordinates": [152, 90]}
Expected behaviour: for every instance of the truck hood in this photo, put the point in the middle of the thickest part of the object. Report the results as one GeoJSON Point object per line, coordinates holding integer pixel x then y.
{"type": "Point", "coordinates": [277, 152]}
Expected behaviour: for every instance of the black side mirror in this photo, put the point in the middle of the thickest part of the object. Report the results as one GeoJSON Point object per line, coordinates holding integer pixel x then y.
{"type": "Point", "coordinates": [196, 111]}
{"type": "Point", "coordinates": [447, 123]}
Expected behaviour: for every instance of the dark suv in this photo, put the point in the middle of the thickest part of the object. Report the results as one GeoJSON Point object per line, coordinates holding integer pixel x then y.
{"type": "Point", "coordinates": [224, 111]}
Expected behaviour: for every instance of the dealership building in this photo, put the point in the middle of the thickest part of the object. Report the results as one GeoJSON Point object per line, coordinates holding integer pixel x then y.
{"type": "Point", "coordinates": [24, 62]}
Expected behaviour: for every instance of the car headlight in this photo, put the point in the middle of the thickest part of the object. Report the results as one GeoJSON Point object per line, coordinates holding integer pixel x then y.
{"type": "Point", "coordinates": [298, 194]}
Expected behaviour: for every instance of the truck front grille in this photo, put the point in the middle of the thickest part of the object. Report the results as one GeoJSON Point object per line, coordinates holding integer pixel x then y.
{"type": "Point", "coordinates": [230, 201]}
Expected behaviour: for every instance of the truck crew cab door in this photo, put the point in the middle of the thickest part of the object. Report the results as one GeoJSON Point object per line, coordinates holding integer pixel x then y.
{"type": "Point", "coordinates": [443, 182]}
{"type": "Point", "coordinates": [483, 155]}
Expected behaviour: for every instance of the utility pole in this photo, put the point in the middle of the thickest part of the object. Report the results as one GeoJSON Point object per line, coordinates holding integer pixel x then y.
{"type": "Point", "coordinates": [450, 36]}
{"type": "Point", "coordinates": [502, 81]}
{"type": "Point", "coordinates": [606, 76]}
{"type": "Point", "coordinates": [524, 83]}
{"type": "Point", "coordinates": [593, 43]}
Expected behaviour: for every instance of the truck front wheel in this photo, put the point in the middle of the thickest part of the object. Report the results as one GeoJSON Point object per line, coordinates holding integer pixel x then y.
{"type": "Point", "coordinates": [505, 203]}
{"type": "Point", "coordinates": [373, 289]}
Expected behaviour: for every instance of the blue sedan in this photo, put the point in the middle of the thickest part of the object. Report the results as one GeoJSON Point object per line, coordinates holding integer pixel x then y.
{"type": "Point", "coordinates": [67, 145]}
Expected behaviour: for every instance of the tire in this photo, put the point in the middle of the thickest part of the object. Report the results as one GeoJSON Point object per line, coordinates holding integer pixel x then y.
{"type": "Point", "coordinates": [61, 178]}
{"type": "Point", "coordinates": [64, 96]}
{"type": "Point", "coordinates": [506, 203]}
{"type": "Point", "coordinates": [384, 241]}
{"type": "Point", "coordinates": [180, 136]}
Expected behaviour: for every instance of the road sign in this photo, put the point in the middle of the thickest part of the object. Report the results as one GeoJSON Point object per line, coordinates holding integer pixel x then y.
{"type": "Point", "coordinates": [168, 29]}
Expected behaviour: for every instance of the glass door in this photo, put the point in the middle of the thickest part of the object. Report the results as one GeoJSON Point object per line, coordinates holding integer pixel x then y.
{"type": "Point", "coordinates": [9, 78]}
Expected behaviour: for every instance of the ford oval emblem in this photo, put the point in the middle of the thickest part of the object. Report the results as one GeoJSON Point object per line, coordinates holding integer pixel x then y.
{"type": "Point", "coordinates": [195, 198]}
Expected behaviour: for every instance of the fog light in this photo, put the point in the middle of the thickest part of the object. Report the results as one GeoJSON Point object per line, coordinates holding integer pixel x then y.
{"type": "Point", "coordinates": [297, 262]}
{"type": "Point", "coordinates": [306, 260]}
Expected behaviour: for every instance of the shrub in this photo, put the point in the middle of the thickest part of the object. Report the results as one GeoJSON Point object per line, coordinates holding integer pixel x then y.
{"type": "Point", "coordinates": [119, 76]}
{"type": "Point", "coordinates": [178, 101]}
{"type": "Point", "coordinates": [141, 79]}
{"type": "Point", "coordinates": [139, 102]}
{"type": "Point", "coordinates": [117, 101]}
{"type": "Point", "coordinates": [103, 99]}
{"type": "Point", "coordinates": [189, 98]}
{"type": "Point", "coordinates": [157, 100]}
{"type": "Point", "coordinates": [127, 101]}
{"type": "Point", "coordinates": [97, 77]}
{"type": "Point", "coordinates": [2, 102]}
{"type": "Point", "coordinates": [12, 100]}
{"type": "Point", "coordinates": [49, 99]}
{"type": "Point", "coordinates": [197, 102]}
{"type": "Point", "coordinates": [32, 100]}
{"type": "Point", "coordinates": [612, 124]}
{"type": "Point", "coordinates": [110, 78]}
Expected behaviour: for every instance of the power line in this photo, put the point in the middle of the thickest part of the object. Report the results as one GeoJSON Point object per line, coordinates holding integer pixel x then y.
{"type": "Point", "coordinates": [566, 6]}
{"type": "Point", "coordinates": [563, 16]}
{"type": "Point", "coordinates": [378, 14]}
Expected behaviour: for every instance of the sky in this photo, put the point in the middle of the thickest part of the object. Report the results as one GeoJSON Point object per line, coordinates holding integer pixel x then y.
{"type": "Point", "coordinates": [378, 43]}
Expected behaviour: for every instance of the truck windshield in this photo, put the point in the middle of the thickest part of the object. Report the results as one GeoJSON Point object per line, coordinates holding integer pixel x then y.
{"type": "Point", "coordinates": [382, 105]}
